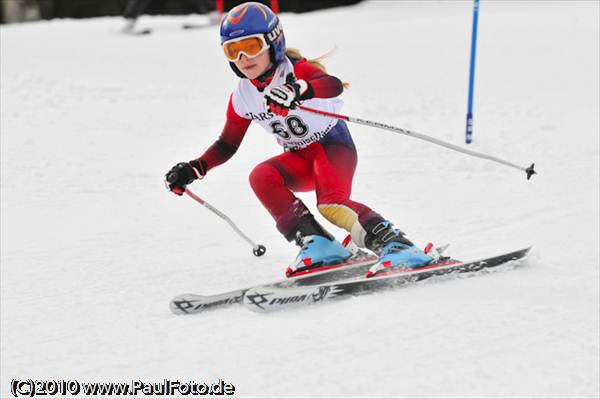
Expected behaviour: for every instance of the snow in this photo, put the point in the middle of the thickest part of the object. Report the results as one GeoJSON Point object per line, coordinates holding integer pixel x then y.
{"type": "Point", "coordinates": [93, 247]}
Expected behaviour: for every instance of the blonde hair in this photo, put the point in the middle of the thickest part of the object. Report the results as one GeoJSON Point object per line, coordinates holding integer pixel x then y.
{"type": "Point", "coordinates": [295, 55]}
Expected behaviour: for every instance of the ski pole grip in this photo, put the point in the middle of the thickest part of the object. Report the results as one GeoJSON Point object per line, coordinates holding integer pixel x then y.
{"type": "Point", "coordinates": [172, 177]}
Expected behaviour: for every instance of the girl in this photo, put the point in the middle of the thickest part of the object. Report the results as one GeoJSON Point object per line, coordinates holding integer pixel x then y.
{"type": "Point", "coordinates": [319, 153]}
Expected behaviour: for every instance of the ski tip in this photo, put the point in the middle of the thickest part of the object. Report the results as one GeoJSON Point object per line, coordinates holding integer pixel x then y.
{"type": "Point", "coordinates": [185, 303]}
{"type": "Point", "coordinates": [530, 171]}
{"type": "Point", "coordinates": [178, 307]}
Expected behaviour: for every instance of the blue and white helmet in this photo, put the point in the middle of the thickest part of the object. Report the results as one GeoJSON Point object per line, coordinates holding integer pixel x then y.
{"type": "Point", "coordinates": [253, 18]}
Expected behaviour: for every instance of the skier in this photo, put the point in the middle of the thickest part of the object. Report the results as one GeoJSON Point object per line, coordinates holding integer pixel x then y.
{"type": "Point", "coordinates": [135, 8]}
{"type": "Point", "coordinates": [319, 154]}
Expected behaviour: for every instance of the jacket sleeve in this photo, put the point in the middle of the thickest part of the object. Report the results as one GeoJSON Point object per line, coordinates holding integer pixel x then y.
{"type": "Point", "coordinates": [321, 85]}
{"type": "Point", "coordinates": [229, 141]}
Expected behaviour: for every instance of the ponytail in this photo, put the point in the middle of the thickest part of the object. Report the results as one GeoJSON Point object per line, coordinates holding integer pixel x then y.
{"type": "Point", "coordinates": [295, 55]}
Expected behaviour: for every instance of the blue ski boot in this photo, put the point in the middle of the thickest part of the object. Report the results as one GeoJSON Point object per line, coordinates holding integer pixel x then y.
{"type": "Point", "coordinates": [394, 249]}
{"type": "Point", "coordinates": [317, 246]}
{"type": "Point", "coordinates": [315, 251]}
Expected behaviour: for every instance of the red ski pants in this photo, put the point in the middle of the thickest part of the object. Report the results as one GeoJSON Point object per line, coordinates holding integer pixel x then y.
{"type": "Point", "coordinates": [328, 169]}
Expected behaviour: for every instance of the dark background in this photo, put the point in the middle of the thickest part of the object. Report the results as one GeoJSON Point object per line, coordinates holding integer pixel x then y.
{"type": "Point", "coordinates": [49, 9]}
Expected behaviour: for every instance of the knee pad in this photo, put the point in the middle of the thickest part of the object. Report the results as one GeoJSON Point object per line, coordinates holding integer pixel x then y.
{"type": "Point", "coordinates": [346, 218]}
{"type": "Point", "coordinates": [340, 215]}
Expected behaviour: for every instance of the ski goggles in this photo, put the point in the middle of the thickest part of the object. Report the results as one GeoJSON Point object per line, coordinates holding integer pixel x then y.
{"type": "Point", "coordinates": [250, 46]}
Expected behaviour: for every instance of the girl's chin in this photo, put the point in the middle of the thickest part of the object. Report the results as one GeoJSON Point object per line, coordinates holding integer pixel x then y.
{"type": "Point", "coordinates": [253, 72]}
{"type": "Point", "coordinates": [251, 75]}
{"type": "Point", "coordinates": [250, 72]}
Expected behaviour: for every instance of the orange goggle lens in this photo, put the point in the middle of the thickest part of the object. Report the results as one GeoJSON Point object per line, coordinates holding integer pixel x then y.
{"type": "Point", "coordinates": [249, 46]}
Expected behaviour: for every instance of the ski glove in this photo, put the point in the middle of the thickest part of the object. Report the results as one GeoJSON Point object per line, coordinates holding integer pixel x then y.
{"type": "Point", "coordinates": [281, 99]}
{"type": "Point", "coordinates": [183, 174]}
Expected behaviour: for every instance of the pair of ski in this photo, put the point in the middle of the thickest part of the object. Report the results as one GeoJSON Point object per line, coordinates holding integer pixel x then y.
{"type": "Point", "coordinates": [333, 282]}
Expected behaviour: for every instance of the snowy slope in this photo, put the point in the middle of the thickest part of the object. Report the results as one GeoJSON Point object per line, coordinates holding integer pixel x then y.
{"type": "Point", "coordinates": [93, 247]}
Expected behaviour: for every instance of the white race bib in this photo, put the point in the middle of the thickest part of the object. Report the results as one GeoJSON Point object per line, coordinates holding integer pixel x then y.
{"type": "Point", "coordinates": [296, 130]}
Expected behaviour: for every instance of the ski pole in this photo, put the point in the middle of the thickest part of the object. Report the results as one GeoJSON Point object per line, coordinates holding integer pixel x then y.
{"type": "Point", "coordinates": [528, 170]}
{"type": "Point", "coordinates": [257, 250]}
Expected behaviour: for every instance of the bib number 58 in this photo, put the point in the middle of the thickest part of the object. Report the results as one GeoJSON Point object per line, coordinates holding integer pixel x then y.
{"type": "Point", "coordinates": [295, 126]}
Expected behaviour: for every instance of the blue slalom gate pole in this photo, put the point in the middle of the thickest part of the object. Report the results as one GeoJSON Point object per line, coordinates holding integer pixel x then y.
{"type": "Point", "coordinates": [469, 132]}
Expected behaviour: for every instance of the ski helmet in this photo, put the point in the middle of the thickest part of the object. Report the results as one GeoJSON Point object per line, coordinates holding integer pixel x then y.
{"type": "Point", "coordinates": [253, 18]}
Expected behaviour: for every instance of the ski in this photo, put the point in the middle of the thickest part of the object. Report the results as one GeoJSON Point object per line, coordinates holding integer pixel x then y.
{"type": "Point", "coordinates": [138, 32]}
{"type": "Point", "coordinates": [271, 298]}
{"type": "Point", "coordinates": [356, 266]}
{"type": "Point", "coordinates": [189, 26]}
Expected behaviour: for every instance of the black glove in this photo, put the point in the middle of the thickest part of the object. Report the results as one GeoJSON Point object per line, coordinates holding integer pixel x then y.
{"type": "Point", "coordinates": [281, 99]}
{"type": "Point", "coordinates": [183, 174]}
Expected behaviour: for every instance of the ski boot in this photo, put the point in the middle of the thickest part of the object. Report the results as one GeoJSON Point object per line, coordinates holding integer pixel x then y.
{"type": "Point", "coordinates": [317, 246]}
{"type": "Point", "coordinates": [395, 251]}
{"type": "Point", "coordinates": [315, 251]}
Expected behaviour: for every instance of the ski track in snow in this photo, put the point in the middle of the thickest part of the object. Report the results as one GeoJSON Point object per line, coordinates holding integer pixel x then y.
{"type": "Point", "coordinates": [93, 247]}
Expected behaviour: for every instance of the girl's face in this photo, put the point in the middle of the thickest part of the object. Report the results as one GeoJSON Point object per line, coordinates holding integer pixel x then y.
{"type": "Point", "coordinates": [254, 67]}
